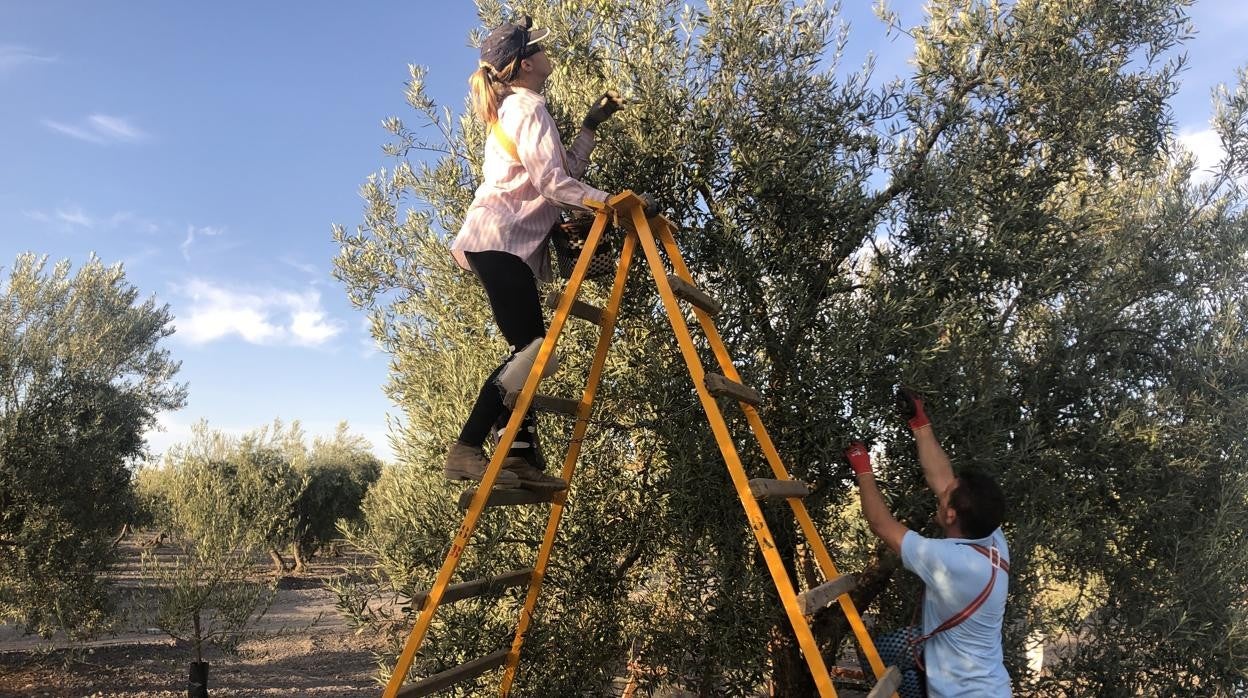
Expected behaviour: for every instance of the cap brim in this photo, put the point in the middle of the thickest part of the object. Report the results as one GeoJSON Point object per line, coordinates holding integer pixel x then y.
{"type": "Point", "coordinates": [536, 35]}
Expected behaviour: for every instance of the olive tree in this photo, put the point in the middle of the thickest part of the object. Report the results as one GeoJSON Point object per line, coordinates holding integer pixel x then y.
{"type": "Point", "coordinates": [1005, 229]}
{"type": "Point", "coordinates": [207, 589]}
{"type": "Point", "coordinates": [339, 472]}
{"type": "Point", "coordinates": [259, 476]}
{"type": "Point", "coordinates": [224, 501]}
{"type": "Point", "coordinates": [83, 374]}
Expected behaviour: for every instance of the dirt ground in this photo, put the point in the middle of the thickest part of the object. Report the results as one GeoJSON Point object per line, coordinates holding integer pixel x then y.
{"type": "Point", "coordinates": [305, 649]}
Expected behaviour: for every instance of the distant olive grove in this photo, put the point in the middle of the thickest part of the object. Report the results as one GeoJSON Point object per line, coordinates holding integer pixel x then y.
{"type": "Point", "coordinates": [224, 500]}
{"type": "Point", "coordinates": [83, 374]}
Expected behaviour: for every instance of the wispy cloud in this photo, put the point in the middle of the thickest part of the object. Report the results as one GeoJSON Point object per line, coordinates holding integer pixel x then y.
{"type": "Point", "coordinates": [127, 219]}
{"type": "Point", "coordinates": [101, 129]}
{"type": "Point", "coordinates": [304, 267]}
{"type": "Point", "coordinates": [71, 216]}
{"type": "Point", "coordinates": [13, 57]}
{"type": "Point", "coordinates": [257, 316]}
{"type": "Point", "coordinates": [193, 232]}
{"type": "Point", "coordinates": [78, 132]}
{"type": "Point", "coordinates": [115, 127]}
{"type": "Point", "coordinates": [75, 217]}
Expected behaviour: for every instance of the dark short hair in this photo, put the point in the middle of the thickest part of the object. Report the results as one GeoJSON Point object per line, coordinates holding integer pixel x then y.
{"type": "Point", "coordinates": [979, 502]}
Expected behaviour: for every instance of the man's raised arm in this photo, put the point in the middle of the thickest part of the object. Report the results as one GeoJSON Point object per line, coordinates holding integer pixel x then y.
{"type": "Point", "coordinates": [936, 468]}
{"type": "Point", "coordinates": [882, 523]}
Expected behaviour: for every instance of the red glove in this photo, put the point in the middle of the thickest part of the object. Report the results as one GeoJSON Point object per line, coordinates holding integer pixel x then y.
{"type": "Point", "coordinates": [858, 458]}
{"type": "Point", "coordinates": [910, 406]}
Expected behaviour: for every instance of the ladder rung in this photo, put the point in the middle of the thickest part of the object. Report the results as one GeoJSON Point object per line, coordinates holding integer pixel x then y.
{"type": "Point", "coordinates": [477, 587]}
{"type": "Point", "coordinates": [562, 405]}
{"type": "Point", "coordinates": [814, 599]}
{"type": "Point", "coordinates": [687, 291]}
{"type": "Point", "coordinates": [887, 685]}
{"type": "Point", "coordinates": [506, 498]}
{"type": "Point", "coordinates": [547, 403]}
{"type": "Point", "coordinates": [719, 386]}
{"type": "Point", "coordinates": [452, 676]}
{"type": "Point", "coordinates": [584, 311]}
{"type": "Point", "coordinates": [764, 488]}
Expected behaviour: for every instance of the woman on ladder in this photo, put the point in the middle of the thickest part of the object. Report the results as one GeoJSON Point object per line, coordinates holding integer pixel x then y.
{"type": "Point", "coordinates": [527, 177]}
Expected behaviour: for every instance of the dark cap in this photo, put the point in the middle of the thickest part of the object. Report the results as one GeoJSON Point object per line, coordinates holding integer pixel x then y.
{"type": "Point", "coordinates": [509, 42]}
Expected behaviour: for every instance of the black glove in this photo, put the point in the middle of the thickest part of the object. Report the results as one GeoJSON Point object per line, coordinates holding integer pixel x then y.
{"type": "Point", "coordinates": [606, 105]}
{"type": "Point", "coordinates": [648, 205]}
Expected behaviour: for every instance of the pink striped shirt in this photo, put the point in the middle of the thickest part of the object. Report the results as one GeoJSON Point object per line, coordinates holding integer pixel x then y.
{"type": "Point", "coordinates": [518, 202]}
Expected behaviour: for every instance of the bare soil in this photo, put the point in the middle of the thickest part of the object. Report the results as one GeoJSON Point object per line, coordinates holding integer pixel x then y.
{"type": "Point", "coordinates": [302, 648]}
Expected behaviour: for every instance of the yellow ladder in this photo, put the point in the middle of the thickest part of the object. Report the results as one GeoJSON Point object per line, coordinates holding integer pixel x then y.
{"type": "Point", "coordinates": [627, 209]}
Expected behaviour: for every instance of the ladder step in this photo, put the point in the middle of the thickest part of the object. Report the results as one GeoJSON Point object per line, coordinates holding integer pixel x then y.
{"type": "Point", "coordinates": [584, 311]}
{"type": "Point", "coordinates": [450, 677]}
{"type": "Point", "coordinates": [887, 685]}
{"type": "Point", "coordinates": [719, 386]}
{"type": "Point", "coordinates": [507, 498]}
{"type": "Point", "coordinates": [814, 599]}
{"type": "Point", "coordinates": [477, 587]}
{"type": "Point", "coordinates": [763, 488]}
{"type": "Point", "coordinates": [547, 403]}
{"type": "Point", "coordinates": [562, 405]}
{"type": "Point", "coordinates": [687, 291]}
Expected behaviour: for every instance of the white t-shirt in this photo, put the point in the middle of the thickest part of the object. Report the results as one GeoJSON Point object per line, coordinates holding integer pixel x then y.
{"type": "Point", "coordinates": [966, 659]}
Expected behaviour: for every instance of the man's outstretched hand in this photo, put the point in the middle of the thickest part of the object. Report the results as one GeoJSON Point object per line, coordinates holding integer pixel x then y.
{"type": "Point", "coordinates": [858, 458]}
{"type": "Point", "coordinates": [873, 507]}
{"type": "Point", "coordinates": [910, 406]}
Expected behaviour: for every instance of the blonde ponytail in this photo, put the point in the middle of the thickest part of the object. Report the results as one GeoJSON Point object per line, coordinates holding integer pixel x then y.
{"type": "Point", "coordinates": [488, 88]}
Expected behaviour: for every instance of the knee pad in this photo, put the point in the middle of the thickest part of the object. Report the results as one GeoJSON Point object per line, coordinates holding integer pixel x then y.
{"type": "Point", "coordinates": [516, 370]}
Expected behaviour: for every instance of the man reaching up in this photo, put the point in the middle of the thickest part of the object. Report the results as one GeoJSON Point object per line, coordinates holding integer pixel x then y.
{"type": "Point", "coordinates": [965, 573]}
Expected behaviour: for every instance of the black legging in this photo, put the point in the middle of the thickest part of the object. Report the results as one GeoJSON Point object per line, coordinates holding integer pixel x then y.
{"type": "Point", "coordinates": [512, 290]}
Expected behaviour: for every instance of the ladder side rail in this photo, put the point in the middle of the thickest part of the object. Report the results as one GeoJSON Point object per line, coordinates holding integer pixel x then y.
{"type": "Point", "coordinates": [471, 517]}
{"type": "Point", "coordinates": [811, 533]}
{"type": "Point", "coordinates": [780, 576]}
{"type": "Point", "coordinates": [609, 315]}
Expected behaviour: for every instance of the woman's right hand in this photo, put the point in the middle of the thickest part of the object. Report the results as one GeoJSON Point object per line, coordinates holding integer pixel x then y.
{"type": "Point", "coordinates": [605, 106]}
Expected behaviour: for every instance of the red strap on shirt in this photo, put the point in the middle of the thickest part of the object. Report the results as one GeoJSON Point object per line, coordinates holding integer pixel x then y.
{"type": "Point", "coordinates": [994, 557]}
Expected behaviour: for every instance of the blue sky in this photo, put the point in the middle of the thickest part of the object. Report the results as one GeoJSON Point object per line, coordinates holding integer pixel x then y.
{"type": "Point", "coordinates": [210, 146]}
